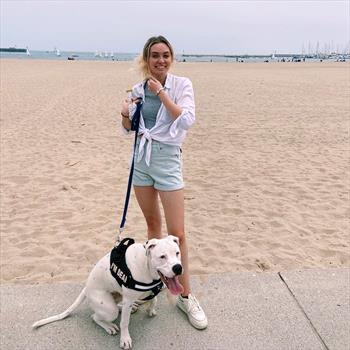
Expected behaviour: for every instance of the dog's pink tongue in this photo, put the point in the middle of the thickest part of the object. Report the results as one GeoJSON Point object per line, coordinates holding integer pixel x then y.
{"type": "Point", "coordinates": [174, 286]}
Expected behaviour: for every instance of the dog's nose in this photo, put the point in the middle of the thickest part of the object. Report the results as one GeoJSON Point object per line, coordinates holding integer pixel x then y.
{"type": "Point", "coordinates": [177, 269]}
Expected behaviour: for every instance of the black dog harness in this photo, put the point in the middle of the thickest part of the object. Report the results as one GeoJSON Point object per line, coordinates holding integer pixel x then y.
{"type": "Point", "coordinates": [122, 274]}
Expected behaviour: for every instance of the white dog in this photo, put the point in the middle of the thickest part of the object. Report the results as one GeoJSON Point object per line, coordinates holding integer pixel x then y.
{"type": "Point", "coordinates": [135, 271]}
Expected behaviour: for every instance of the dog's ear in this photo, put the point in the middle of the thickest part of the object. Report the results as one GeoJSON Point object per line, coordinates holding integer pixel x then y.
{"type": "Point", "coordinates": [149, 245]}
{"type": "Point", "coordinates": [175, 239]}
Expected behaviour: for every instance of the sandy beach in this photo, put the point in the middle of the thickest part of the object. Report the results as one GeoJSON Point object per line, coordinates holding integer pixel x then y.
{"type": "Point", "coordinates": [266, 167]}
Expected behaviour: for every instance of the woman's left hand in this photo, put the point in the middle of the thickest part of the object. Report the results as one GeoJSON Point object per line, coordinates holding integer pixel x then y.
{"type": "Point", "coordinates": [125, 106]}
{"type": "Point", "coordinates": [154, 85]}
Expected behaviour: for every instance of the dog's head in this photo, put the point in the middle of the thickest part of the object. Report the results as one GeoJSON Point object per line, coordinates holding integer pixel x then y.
{"type": "Point", "coordinates": [164, 257]}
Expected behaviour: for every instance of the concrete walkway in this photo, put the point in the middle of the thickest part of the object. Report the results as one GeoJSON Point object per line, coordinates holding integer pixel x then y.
{"type": "Point", "coordinates": [306, 310]}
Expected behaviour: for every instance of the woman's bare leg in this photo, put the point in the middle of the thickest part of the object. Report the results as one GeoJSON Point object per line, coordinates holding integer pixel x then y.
{"type": "Point", "coordinates": [174, 212]}
{"type": "Point", "coordinates": [147, 197]}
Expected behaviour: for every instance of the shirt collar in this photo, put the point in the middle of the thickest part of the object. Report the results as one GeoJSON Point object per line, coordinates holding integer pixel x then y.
{"type": "Point", "coordinates": [168, 81]}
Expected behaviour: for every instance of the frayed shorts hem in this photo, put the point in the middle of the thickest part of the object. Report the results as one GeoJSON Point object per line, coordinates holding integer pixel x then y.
{"type": "Point", "coordinates": [160, 188]}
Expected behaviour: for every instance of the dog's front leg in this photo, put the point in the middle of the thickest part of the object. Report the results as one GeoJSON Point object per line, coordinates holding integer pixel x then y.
{"type": "Point", "coordinates": [151, 309]}
{"type": "Point", "coordinates": [125, 339]}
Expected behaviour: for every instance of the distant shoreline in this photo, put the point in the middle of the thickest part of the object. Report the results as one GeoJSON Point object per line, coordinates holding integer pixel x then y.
{"type": "Point", "coordinates": [110, 56]}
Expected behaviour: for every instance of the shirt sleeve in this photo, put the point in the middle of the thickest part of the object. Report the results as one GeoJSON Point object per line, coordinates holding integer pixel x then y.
{"type": "Point", "coordinates": [185, 100]}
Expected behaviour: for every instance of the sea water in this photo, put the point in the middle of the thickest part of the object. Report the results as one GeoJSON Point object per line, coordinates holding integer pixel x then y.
{"type": "Point", "coordinates": [108, 56]}
{"type": "Point", "coordinates": [86, 56]}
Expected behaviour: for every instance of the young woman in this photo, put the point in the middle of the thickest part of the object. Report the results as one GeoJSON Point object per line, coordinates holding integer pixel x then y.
{"type": "Point", "coordinates": [168, 112]}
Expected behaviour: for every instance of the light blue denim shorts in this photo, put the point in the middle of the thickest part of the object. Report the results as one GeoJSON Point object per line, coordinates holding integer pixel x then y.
{"type": "Point", "coordinates": [165, 170]}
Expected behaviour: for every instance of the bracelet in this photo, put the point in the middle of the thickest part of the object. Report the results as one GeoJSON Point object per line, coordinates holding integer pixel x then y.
{"type": "Point", "coordinates": [124, 116]}
{"type": "Point", "coordinates": [159, 90]}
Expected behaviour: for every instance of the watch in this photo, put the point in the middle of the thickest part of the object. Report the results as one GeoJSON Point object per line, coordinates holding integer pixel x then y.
{"type": "Point", "coordinates": [159, 90]}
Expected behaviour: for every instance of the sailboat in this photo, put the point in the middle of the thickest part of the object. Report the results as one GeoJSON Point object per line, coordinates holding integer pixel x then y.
{"type": "Point", "coordinates": [58, 53]}
{"type": "Point", "coordinates": [27, 51]}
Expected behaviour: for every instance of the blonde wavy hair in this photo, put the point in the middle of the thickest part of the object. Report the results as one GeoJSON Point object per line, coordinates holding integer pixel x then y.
{"type": "Point", "coordinates": [142, 59]}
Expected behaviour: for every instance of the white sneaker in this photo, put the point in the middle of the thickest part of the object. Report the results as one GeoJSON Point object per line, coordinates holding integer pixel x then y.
{"type": "Point", "coordinates": [194, 312]}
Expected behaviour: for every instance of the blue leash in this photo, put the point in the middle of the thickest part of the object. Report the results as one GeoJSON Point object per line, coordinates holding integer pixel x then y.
{"type": "Point", "coordinates": [135, 122]}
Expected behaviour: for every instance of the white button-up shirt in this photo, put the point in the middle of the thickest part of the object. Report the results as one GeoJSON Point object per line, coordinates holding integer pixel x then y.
{"type": "Point", "coordinates": [166, 129]}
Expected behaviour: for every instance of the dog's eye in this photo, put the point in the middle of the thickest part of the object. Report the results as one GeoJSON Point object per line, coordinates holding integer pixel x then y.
{"type": "Point", "coordinates": [178, 253]}
{"type": "Point", "coordinates": [163, 256]}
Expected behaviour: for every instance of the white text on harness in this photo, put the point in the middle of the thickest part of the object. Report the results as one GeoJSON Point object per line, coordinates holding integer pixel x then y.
{"type": "Point", "coordinates": [119, 272]}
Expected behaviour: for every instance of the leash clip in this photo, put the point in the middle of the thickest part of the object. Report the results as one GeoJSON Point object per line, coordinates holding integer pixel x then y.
{"type": "Point", "coordinates": [119, 236]}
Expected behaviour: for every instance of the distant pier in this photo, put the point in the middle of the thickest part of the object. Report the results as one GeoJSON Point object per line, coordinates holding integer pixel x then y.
{"type": "Point", "coordinates": [12, 49]}
{"type": "Point", "coordinates": [292, 56]}
{"type": "Point", "coordinates": [248, 56]}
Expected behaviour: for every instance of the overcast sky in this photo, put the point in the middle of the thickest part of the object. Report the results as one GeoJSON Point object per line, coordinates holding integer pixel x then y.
{"type": "Point", "coordinates": [236, 27]}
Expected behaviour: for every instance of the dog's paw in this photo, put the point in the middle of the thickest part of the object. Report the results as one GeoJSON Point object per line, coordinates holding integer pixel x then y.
{"type": "Point", "coordinates": [112, 329]}
{"type": "Point", "coordinates": [152, 312]}
{"type": "Point", "coordinates": [125, 342]}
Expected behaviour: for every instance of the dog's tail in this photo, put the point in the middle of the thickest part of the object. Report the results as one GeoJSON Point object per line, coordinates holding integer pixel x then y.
{"type": "Point", "coordinates": [64, 314]}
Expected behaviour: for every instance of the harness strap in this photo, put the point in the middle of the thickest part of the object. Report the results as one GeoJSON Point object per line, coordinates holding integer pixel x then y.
{"type": "Point", "coordinates": [122, 274]}
{"type": "Point", "coordinates": [156, 290]}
